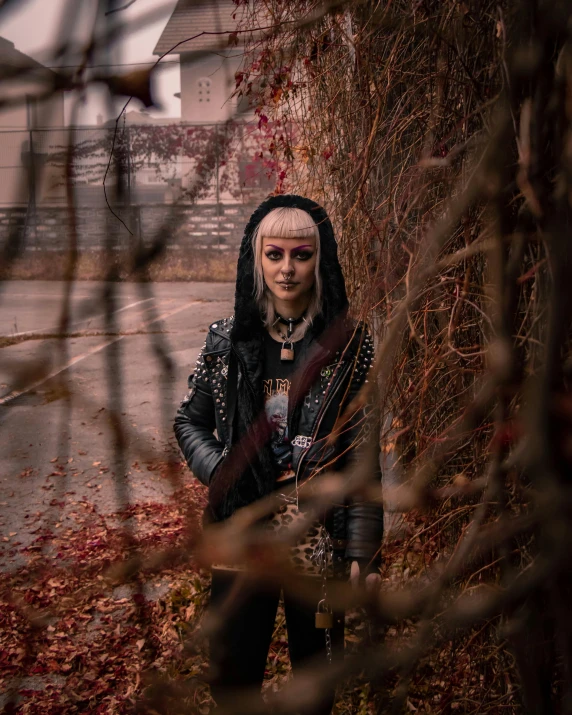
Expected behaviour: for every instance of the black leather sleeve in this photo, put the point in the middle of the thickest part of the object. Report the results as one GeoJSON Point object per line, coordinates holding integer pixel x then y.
{"type": "Point", "coordinates": [195, 424]}
{"type": "Point", "coordinates": [364, 519]}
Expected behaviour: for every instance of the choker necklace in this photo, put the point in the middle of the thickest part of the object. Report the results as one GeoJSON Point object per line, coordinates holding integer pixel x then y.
{"type": "Point", "coordinates": [287, 352]}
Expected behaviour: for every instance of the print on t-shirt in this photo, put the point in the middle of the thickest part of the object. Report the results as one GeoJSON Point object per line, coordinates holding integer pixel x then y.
{"type": "Point", "coordinates": [276, 393]}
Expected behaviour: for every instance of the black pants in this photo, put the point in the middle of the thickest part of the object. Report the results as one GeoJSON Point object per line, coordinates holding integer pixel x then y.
{"type": "Point", "coordinates": [240, 649]}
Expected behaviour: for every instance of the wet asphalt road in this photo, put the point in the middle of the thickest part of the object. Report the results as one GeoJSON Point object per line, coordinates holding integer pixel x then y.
{"type": "Point", "coordinates": [55, 451]}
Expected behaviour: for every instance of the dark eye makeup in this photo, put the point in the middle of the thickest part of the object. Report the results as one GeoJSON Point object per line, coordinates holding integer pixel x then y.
{"type": "Point", "coordinates": [274, 255]}
{"type": "Point", "coordinates": [302, 255]}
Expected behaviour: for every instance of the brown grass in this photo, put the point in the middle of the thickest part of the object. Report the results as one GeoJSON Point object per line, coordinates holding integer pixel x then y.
{"type": "Point", "coordinates": [200, 265]}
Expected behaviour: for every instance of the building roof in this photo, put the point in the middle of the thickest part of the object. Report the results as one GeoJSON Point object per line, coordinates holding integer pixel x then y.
{"type": "Point", "coordinates": [12, 58]}
{"type": "Point", "coordinates": [190, 18]}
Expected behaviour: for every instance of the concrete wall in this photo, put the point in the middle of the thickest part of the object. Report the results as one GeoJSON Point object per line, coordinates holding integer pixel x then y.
{"type": "Point", "coordinates": [188, 227]}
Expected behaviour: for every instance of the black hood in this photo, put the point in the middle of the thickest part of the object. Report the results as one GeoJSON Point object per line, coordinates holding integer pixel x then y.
{"type": "Point", "coordinates": [238, 485]}
{"type": "Point", "coordinates": [247, 320]}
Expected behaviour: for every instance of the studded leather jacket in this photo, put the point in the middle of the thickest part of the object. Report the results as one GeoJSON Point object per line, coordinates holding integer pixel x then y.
{"type": "Point", "coordinates": [355, 527]}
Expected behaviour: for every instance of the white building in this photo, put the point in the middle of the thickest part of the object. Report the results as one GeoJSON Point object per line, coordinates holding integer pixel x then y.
{"type": "Point", "coordinates": [28, 128]}
{"type": "Point", "coordinates": [208, 63]}
{"type": "Point", "coordinates": [199, 33]}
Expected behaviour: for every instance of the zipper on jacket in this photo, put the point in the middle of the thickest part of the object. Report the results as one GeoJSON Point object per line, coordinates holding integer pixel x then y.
{"type": "Point", "coordinates": [320, 417]}
{"type": "Point", "coordinates": [244, 370]}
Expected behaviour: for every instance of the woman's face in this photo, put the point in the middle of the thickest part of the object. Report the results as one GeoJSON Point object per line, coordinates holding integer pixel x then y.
{"type": "Point", "coordinates": [288, 266]}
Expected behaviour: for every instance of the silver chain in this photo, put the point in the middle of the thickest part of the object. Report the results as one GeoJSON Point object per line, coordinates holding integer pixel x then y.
{"type": "Point", "coordinates": [322, 558]}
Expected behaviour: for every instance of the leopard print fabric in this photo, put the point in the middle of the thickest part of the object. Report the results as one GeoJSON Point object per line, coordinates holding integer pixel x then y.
{"type": "Point", "coordinates": [302, 554]}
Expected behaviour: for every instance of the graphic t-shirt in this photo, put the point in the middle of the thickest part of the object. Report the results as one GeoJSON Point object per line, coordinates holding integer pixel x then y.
{"type": "Point", "coordinates": [276, 381]}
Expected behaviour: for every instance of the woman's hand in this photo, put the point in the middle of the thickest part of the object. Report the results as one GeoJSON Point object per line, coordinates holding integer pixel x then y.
{"type": "Point", "coordinates": [372, 580]}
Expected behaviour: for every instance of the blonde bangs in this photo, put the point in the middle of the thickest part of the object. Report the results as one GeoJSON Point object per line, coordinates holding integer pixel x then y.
{"type": "Point", "coordinates": [288, 222]}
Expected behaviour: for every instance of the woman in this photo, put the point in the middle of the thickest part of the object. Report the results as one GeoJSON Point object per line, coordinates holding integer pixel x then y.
{"type": "Point", "coordinates": [273, 380]}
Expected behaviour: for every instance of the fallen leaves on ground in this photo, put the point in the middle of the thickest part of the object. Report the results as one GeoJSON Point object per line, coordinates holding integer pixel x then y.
{"type": "Point", "coordinates": [71, 640]}
{"type": "Point", "coordinates": [101, 621]}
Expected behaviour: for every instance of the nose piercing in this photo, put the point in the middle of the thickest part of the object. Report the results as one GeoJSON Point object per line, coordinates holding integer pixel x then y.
{"type": "Point", "coordinates": [287, 274]}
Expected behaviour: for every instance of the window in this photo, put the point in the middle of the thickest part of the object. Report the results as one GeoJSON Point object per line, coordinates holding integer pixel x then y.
{"type": "Point", "coordinates": [204, 89]}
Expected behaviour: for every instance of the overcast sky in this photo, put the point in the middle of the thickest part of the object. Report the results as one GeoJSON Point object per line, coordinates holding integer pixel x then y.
{"type": "Point", "coordinates": [34, 25]}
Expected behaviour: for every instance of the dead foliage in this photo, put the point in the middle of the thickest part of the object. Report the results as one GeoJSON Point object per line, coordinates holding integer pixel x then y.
{"type": "Point", "coordinates": [428, 130]}
{"type": "Point", "coordinates": [199, 265]}
{"type": "Point", "coordinates": [437, 134]}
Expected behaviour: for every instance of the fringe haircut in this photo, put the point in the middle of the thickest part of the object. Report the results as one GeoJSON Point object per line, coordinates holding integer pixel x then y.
{"type": "Point", "coordinates": [285, 222]}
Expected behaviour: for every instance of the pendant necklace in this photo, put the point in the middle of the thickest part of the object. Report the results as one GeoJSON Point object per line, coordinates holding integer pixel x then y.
{"type": "Point", "coordinates": [287, 351]}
